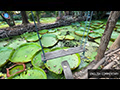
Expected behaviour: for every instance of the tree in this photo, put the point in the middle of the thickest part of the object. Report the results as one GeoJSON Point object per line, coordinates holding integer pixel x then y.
{"type": "Point", "coordinates": [111, 22]}
{"type": "Point", "coordinates": [10, 21]}
{"type": "Point", "coordinates": [24, 18]}
{"type": "Point", "coordinates": [66, 12]}
{"type": "Point", "coordinates": [11, 15]}
{"type": "Point", "coordinates": [37, 15]}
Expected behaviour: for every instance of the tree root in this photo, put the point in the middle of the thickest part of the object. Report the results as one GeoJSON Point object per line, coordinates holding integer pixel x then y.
{"type": "Point", "coordinates": [110, 59]}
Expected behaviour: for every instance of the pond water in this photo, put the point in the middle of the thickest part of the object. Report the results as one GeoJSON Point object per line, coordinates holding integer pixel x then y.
{"type": "Point", "coordinates": [53, 39]}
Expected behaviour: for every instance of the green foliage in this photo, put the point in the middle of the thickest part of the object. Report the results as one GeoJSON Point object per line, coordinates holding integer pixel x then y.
{"type": "Point", "coordinates": [30, 16]}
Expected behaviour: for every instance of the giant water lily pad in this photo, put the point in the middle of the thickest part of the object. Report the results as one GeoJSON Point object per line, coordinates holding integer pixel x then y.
{"type": "Point", "coordinates": [69, 37]}
{"type": "Point", "coordinates": [54, 65]}
{"type": "Point", "coordinates": [97, 21]}
{"type": "Point", "coordinates": [16, 43]}
{"type": "Point", "coordinates": [92, 50]}
{"type": "Point", "coordinates": [118, 24]}
{"type": "Point", "coordinates": [4, 55]}
{"type": "Point", "coordinates": [36, 60]}
{"type": "Point", "coordinates": [35, 73]}
{"type": "Point", "coordinates": [25, 52]}
{"type": "Point", "coordinates": [100, 31]}
{"type": "Point", "coordinates": [32, 37]}
{"type": "Point", "coordinates": [43, 31]}
{"type": "Point", "coordinates": [80, 33]}
{"type": "Point", "coordinates": [76, 24]}
{"type": "Point", "coordinates": [94, 35]}
{"type": "Point", "coordinates": [114, 35]}
{"type": "Point", "coordinates": [51, 30]}
{"type": "Point", "coordinates": [15, 70]}
{"type": "Point", "coordinates": [60, 37]}
{"type": "Point", "coordinates": [3, 43]}
{"type": "Point", "coordinates": [49, 40]}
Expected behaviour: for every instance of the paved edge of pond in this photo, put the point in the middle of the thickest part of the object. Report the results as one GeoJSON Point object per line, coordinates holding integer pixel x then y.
{"type": "Point", "coordinates": [4, 33]}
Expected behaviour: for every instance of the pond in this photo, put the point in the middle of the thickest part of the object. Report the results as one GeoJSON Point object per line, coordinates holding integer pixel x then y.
{"type": "Point", "coordinates": [25, 49]}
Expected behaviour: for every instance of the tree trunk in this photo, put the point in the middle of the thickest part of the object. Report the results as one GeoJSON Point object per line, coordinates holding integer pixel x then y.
{"type": "Point", "coordinates": [38, 19]}
{"type": "Point", "coordinates": [66, 13]}
{"type": "Point", "coordinates": [111, 22]}
{"type": "Point", "coordinates": [116, 43]}
{"type": "Point", "coordinates": [59, 13]}
{"type": "Point", "coordinates": [104, 13]}
{"type": "Point", "coordinates": [11, 15]}
{"type": "Point", "coordinates": [24, 18]}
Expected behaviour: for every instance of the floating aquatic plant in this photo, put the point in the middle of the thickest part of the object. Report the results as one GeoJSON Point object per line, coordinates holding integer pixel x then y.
{"type": "Point", "coordinates": [4, 55]}
{"type": "Point", "coordinates": [54, 65]}
{"type": "Point", "coordinates": [24, 53]}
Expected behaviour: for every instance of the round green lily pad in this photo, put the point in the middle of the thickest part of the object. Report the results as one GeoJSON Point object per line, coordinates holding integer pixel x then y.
{"type": "Point", "coordinates": [94, 35]}
{"type": "Point", "coordinates": [54, 65]}
{"type": "Point", "coordinates": [4, 55]}
{"type": "Point", "coordinates": [36, 60]}
{"type": "Point", "coordinates": [100, 31]}
{"type": "Point", "coordinates": [80, 33]}
{"type": "Point", "coordinates": [25, 52]}
{"type": "Point", "coordinates": [35, 73]}
{"type": "Point", "coordinates": [60, 37]}
{"type": "Point", "coordinates": [32, 37]}
{"type": "Point", "coordinates": [69, 37]}
{"type": "Point", "coordinates": [114, 35]}
{"type": "Point", "coordinates": [3, 43]}
{"type": "Point", "coordinates": [43, 31]}
{"type": "Point", "coordinates": [15, 69]}
{"type": "Point", "coordinates": [49, 40]}
{"type": "Point", "coordinates": [51, 30]}
{"type": "Point", "coordinates": [118, 23]}
{"type": "Point", "coordinates": [97, 21]}
{"type": "Point", "coordinates": [16, 43]}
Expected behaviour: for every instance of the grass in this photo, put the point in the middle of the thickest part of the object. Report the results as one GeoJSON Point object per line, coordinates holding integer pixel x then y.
{"type": "Point", "coordinates": [46, 20]}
